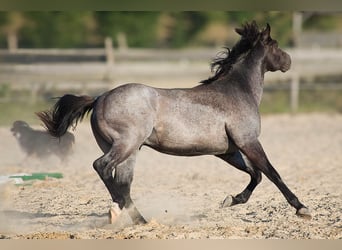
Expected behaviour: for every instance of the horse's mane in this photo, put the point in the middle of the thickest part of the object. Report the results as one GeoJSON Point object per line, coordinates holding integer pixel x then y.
{"type": "Point", "coordinates": [224, 61]}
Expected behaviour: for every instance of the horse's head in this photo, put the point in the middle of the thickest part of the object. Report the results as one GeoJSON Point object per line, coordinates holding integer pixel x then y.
{"type": "Point", "coordinates": [274, 58]}
{"type": "Point", "coordinates": [259, 45]}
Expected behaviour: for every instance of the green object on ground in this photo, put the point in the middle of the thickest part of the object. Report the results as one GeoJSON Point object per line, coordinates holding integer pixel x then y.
{"type": "Point", "coordinates": [38, 176]}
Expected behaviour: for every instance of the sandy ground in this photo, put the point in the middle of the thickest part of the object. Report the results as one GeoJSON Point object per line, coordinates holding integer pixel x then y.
{"type": "Point", "coordinates": [180, 196]}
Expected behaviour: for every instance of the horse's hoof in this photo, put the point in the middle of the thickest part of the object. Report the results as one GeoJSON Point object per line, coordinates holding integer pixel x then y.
{"type": "Point", "coordinates": [139, 221]}
{"type": "Point", "coordinates": [113, 214]}
{"type": "Point", "coordinates": [304, 213]}
{"type": "Point", "coordinates": [228, 201]}
{"type": "Point", "coordinates": [136, 217]}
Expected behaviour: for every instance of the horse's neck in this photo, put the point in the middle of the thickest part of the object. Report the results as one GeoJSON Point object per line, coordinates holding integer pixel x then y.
{"type": "Point", "coordinates": [257, 82]}
{"type": "Point", "coordinates": [255, 63]}
{"type": "Point", "coordinates": [250, 73]}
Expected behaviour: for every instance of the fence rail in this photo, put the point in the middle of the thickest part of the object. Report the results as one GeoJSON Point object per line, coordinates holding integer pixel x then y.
{"type": "Point", "coordinates": [128, 54]}
{"type": "Point", "coordinates": [90, 69]}
{"type": "Point", "coordinates": [101, 55]}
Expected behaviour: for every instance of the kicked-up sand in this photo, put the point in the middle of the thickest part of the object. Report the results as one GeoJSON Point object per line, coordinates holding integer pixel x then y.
{"type": "Point", "coordinates": [180, 196]}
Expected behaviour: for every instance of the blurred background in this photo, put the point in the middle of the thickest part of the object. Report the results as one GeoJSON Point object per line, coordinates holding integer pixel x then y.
{"type": "Point", "coordinates": [47, 54]}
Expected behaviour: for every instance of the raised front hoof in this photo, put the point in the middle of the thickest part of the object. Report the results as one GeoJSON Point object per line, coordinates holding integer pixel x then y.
{"type": "Point", "coordinates": [304, 213]}
{"type": "Point", "coordinates": [228, 201]}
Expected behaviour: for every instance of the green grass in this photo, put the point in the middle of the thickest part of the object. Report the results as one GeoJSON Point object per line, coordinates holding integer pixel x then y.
{"type": "Point", "coordinates": [278, 101]}
{"type": "Point", "coordinates": [12, 111]}
{"type": "Point", "coordinates": [275, 102]}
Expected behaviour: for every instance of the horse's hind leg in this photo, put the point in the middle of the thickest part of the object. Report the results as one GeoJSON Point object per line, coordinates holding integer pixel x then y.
{"type": "Point", "coordinates": [123, 178]}
{"type": "Point", "coordinates": [257, 157]}
{"type": "Point", "coordinates": [122, 161]}
{"type": "Point", "coordinates": [237, 160]}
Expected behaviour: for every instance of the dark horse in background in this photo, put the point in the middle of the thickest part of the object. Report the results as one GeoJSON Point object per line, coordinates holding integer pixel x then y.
{"type": "Point", "coordinates": [219, 117]}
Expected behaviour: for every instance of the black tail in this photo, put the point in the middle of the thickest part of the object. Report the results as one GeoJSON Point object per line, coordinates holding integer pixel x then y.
{"type": "Point", "coordinates": [67, 111]}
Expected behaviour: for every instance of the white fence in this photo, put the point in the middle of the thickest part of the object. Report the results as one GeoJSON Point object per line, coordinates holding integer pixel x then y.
{"type": "Point", "coordinates": [89, 69]}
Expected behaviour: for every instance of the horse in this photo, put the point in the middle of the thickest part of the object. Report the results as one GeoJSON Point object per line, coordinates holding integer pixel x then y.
{"type": "Point", "coordinates": [219, 117]}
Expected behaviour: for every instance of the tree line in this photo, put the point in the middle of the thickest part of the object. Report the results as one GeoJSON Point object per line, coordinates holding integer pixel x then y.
{"type": "Point", "coordinates": [84, 29]}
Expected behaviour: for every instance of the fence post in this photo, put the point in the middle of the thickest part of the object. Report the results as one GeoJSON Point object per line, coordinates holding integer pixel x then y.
{"type": "Point", "coordinates": [12, 41]}
{"type": "Point", "coordinates": [109, 57]}
{"type": "Point", "coordinates": [297, 22]}
{"type": "Point", "coordinates": [122, 41]}
{"type": "Point", "coordinates": [34, 92]}
{"type": "Point", "coordinates": [109, 51]}
{"type": "Point", "coordinates": [294, 92]}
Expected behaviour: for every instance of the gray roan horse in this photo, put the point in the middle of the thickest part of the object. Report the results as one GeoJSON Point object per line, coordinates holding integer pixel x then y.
{"type": "Point", "coordinates": [219, 117]}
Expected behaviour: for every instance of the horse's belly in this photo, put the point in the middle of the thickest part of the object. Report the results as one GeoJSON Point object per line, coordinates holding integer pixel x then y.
{"type": "Point", "coordinates": [186, 127]}
{"type": "Point", "coordinates": [188, 143]}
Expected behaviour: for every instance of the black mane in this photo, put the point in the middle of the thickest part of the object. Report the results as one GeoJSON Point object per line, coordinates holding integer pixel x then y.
{"type": "Point", "coordinates": [226, 59]}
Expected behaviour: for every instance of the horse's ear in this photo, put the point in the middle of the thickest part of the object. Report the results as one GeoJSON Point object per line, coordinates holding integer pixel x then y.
{"type": "Point", "coordinates": [240, 31]}
{"type": "Point", "coordinates": [268, 28]}
{"type": "Point", "coordinates": [265, 34]}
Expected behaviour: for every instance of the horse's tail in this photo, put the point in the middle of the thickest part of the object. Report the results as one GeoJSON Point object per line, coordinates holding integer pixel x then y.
{"type": "Point", "coordinates": [67, 111]}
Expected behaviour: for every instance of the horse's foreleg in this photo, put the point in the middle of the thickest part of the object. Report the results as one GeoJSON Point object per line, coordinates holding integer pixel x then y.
{"type": "Point", "coordinates": [237, 160]}
{"type": "Point", "coordinates": [258, 158]}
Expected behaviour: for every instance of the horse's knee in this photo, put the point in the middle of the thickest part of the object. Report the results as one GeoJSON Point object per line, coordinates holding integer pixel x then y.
{"type": "Point", "coordinates": [257, 177]}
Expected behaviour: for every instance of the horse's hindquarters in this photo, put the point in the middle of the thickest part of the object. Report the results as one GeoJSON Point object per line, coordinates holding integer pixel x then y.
{"type": "Point", "coordinates": [126, 115]}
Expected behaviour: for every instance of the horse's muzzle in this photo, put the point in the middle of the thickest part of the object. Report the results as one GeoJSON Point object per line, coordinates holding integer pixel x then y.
{"type": "Point", "coordinates": [287, 64]}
